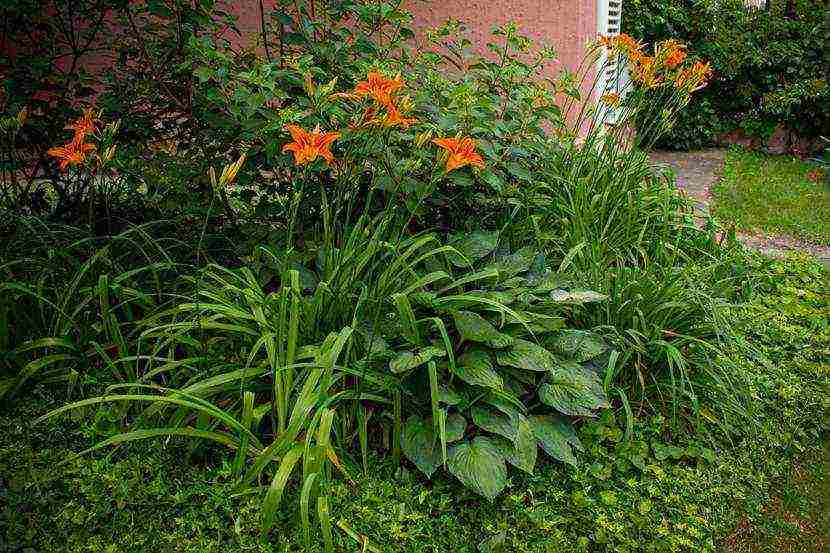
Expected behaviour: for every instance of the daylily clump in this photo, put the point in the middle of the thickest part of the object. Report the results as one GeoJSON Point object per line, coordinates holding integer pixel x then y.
{"type": "Point", "coordinates": [664, 67]}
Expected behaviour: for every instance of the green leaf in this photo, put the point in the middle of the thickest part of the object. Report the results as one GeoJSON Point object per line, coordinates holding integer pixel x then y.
{"type": "Point", "coordinates": [475, 328]}
{"type": "Point", "coordinates": [475, 367]}
{"type": "Point", "coordinates": [420, 445]}
{"type": "Point", "coordinates": [495, 421]}
{"type": "Point", "coordinates": [573, 391]}
{"type": "Point", "coordinates": [521, 452]}
{"type": "Point", "coordinates": [515, 263]}
{"type": "Point", "coordinates": [556, 436]}
{"type": "Point", "coordinates": [577, 296]}
{"type": "Point", "coordinates": [455, 427]}
{"type": "Point", "coordinates": [580, 345]}
{"type": "Point", "coordinates": [479, 465]}
{"type": "Point", "coordinates": [528, 356]}
{"type": "Point", "coordinates": [473, 246]}
{"type": "Point", "coordinates": [448, 396]}
{"type": "Point", "coordinates": [408, 360]}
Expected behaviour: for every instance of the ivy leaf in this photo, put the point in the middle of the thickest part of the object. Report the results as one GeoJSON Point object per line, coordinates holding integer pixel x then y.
{"type": "Point", "coordinates": [573, 391]}
{"type": "Point", "coordinates": [556, 436]}
{"type": "Point", "coordinates": [577, 296]}
{"type": "Point", "coordinates": [479, 465]}
{"type": "Point", "coordinates": [528, 356]}
{"type": "Point", "coordinates": [475, 328]}
{"type": "Point", "coordinates": [495, 422]}
{"type": "Point", "coordinates": [473, 246]}
{"type": "Point", "coordinates": [580, 345]}
{"type": "Point", "coordinates": [455, 427]}
{"type": "Point", "coordinates": [475, 367]}
{"type": "Point", "coordinates": [408, 360]}
{"type": "Point", "coordinates": [419, 444]}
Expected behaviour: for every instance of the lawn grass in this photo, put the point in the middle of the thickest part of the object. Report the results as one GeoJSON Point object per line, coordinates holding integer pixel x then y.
{"type": "Point", "coordinates": [773, 194]}
{"type": "Point", "coordinates": [765, 492]}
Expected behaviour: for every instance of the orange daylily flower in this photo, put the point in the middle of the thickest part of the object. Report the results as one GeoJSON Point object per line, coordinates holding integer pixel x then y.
{"type": "Point", "coordinates": [612, 99]}
{"type": "Point", "coordinates": [379, 88]}
{"type": "Point", "coordinates": [83, 126]}
{"type": "Point", "coordinates": [461, 152]}
{"type": "Point", "coordinates": [695, 77]}
{"type": "Point", "coordinates": [622, 42]}
{"type": "Point", "coordinates": [71, 154]}
{"type": "Point", "coordinates": [675, 53]}
{"type": "Point", "coordinates": [308, 145]}
{"type": "Point", "coordinates": [394, 118]}
{"type": "Point", "coordinates": [644, 71]}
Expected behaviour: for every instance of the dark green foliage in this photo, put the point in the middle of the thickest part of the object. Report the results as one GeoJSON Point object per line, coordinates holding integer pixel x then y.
{"type": "Point", "coordinates": [648, 494]}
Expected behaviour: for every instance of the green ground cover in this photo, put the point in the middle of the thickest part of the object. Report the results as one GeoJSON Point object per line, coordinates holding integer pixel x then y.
{"type": "Point", "coordinates": [773, 194]}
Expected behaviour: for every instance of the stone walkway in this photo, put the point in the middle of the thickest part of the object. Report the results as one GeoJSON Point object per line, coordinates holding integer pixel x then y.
{"type": "Point", "coordinates": [696, 171]}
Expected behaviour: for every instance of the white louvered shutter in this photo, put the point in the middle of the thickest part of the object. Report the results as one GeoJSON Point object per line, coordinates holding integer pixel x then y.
{"type": "Point", "coordinates": [614, 75]}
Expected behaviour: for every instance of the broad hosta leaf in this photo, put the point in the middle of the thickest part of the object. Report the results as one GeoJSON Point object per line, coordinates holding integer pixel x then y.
{"type": "Point", "coordinates": [580, 345]}
{"type": "Point", "coordinates": [576, 296]}
{"type": "Point", "coordinates": [495, 421]}
{"type": "Point", "coordinates": [448, 395]}
{"type": "Point", "coordinates": [408, 360]}
{"type": "Point", "coordinates": [473, 246]}
{"type": "Point", "coordinates": [455, 427]}
{"type": "Point", "coordinates": [475, 328]}
{"type": "Point", "coordinates": [479, 465]}
{"type": "Point", "coordinates": [503, 297]}
{"type": "Point", "coordinates": [516, 263]}
{"type": "Point", "coordinates": [556, 436]}
{"type": "Point", "coordinates": [521, 452]}
{"type": "Point", "coordinates": [573, 391]}
{"type": "Point", "coordinates": [475, 367]}
{"type": "Point", "coordinates": [419, 444]}
{"type": "Point", "coordinates": [528, 356]}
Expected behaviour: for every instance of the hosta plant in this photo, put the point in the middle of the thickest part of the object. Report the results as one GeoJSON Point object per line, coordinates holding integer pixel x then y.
{"type": "Point", "coordinates": [488, 366]}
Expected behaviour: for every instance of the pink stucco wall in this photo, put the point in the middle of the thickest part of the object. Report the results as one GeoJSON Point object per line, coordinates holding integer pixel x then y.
{"type": "Point", "coordinates": [564, 24]}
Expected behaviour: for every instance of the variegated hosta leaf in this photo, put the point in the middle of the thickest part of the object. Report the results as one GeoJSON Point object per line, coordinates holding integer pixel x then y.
{"type": "Point", "coordinates": [573, 391]}
{"type": "Point", "coordinates": [479, 465]}
{"type": "Point", "coordinates": [408, 360]}
{"type": "Point", "coordinates": [420, 445]}
{"type": "Point", "coordinates": [475, 367]}
{"type": "Point", "coordinates": [521, 452]}
{"type": "Point", "coordinates": [580, 345]}
{"type": "Point", "coordinates": [473, 246]}
{"type": "Point", "coordinates": [556, 436]}
{"type": "Point", "coordinates": [577, 296]}
{"type": "Point", "coordinates": [528, 356]}
{"type": "Point", "coordinates": [475, 328]}
{"type": "Point", "coordinates": [495, 421]}
{"type": "Point", "coordinates": [455, 427]}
